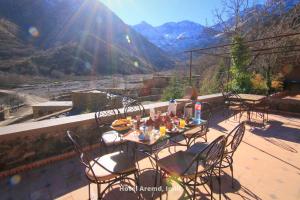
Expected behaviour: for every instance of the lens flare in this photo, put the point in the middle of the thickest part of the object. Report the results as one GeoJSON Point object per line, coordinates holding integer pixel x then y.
{"type": "Point", "coordinates": [136, 63]}
{"type": "Point", "coordinates": [87, 65]}
{"type": "Point", "coordinates": [99, 20]}
{"type": "Point", "coordinates": [128, 39]}
{"type": "Point", "coordinates": [33, 31]}
{"type": "Point", "coordinates": [14, 180]}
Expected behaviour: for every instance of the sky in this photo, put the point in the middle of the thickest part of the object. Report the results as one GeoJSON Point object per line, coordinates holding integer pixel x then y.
{"type": "Point", "coordinates": [158, 12]}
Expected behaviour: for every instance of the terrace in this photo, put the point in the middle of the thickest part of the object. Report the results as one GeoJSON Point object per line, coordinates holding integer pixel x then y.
{"type": "Point", "coordinates": [41, 165]}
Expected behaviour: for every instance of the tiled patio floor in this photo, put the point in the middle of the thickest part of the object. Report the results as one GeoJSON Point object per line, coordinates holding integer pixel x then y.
{"type": "Point", "coordinates": [266, 166]}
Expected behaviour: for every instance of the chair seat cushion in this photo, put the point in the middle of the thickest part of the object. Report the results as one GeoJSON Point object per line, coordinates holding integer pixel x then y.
{"type": "Point", "coordinates": [111, 137]}
{"type": "Point", "coordinates": [118, 162]}
{"type": "Point", "coordinates": [177, 163]}
{"type": "Point", "coordinates": [238, 108]}
{"type": "Point", "coordinates": [197, 147]}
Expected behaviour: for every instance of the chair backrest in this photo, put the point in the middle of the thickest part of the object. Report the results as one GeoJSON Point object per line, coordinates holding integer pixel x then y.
{"type": "Point", "coordinates": [126, 100]}
{"type": "Point", "coordinates": [236, 135]}
{"type": "Point", "coordinates": [213, 153]}
{"type": "Point", "coordinates": [210, 156]}
{"type": "Point", "coordinates": [83, 158]}
{"type": "Point", "coordinates": [105, 117]}
{"type": "Point", "coordinates": [134, 107]}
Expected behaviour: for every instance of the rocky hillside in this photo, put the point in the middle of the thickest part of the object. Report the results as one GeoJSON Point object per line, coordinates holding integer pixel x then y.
{"type": "Point", "coordinates": [55, 37]}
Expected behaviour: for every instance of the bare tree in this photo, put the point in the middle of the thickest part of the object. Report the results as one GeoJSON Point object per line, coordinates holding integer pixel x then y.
{"type": "Point", "coordinates": [231, 16]}
{"type": "Point", "coordinates": [271, 20]}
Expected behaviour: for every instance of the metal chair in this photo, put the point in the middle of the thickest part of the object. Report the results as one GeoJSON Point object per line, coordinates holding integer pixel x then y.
{"type": "Point", "coordinates": [234, 138]}
{"type": "Point", "coordinates": [201, 131]}
{"type": "Point", "coordinates": [190, 170]}
{"type": "Point", "coordinates": [232, 144]}
{"type": "Point", "coordinates": [262, 110]}
{"type": "Point", "coordinates": [107, 169]}
{"type": "Point", "coordinates": [104, 119]}
{"type": "Point", "coordinates": [134, 107]}
{"type": "Point", "coordinates": [235, 105]}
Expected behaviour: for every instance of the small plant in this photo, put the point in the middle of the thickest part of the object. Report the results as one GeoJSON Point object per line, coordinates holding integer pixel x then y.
{"type": "Point", "coordinates": [259, 84]}
{"type": "Point", "coordinates": [277, 82]}
{"type": "Point", "coordinates": [174, 90]}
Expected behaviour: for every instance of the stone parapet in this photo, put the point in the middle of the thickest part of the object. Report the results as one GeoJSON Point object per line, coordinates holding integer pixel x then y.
{"type": "Point", "coordinates": [27, 143]}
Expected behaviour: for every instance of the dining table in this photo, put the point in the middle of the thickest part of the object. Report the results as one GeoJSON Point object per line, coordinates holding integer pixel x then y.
{"type": "Point", "coordinates": [157, 142]}
{"type": "Point", "coordinates": [250, 100]}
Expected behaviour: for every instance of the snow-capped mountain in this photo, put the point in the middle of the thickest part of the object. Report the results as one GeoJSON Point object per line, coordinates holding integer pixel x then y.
{"type": "Point", "coordinates": [175, 37]}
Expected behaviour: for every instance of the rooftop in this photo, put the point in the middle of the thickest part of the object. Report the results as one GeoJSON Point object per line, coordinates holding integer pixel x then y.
{"type": "Point", "coordinates": [266, 166]}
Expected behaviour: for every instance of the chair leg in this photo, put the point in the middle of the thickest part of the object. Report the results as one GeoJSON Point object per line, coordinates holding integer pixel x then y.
{"type": "Point", "coordinates": [211, 187]}
{"type": "Point", "coordinates": [137, 184]}
{"type": "Point", "coordinates": [155, 180]}
{"type": "Point", "coordinates": [160, 181]}
{"type": "Point", "coordinates": [89, 191]}
{"type": "Point", "coordinates": [231, 169]}
{"type": "Point", "coordinates": [98, 191]}
{"type": "Point", "coordinates": [220, 185]}
{"type": "Point", "coordinates": [194, 192]}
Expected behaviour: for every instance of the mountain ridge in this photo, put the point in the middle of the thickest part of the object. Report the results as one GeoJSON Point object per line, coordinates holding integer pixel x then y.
{"type": "Point", "coordinates": [86, 32]}
{"type": "Point", "coordinates": [175, 37]}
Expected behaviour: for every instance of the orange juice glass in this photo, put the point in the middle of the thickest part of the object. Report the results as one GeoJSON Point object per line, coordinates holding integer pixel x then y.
{"type": "Point", "coordinates": [129, 118]}
{"type": "Point", "coordinates": [162, 130]}
{"type": "Point", "coordinates": [181, 123]}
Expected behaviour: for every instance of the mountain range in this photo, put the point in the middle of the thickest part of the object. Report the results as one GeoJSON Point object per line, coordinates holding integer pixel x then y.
{"type": "Point", "coordinates": [54, 38]}
{"type": "Point", "coordinates": [175, 37]}
{"type": "Point", "coordinates": [59, 37]}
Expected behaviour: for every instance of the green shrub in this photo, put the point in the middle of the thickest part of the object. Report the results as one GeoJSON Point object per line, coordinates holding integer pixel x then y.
{"type": "Point", "coordinates": [175, 89]}
{"type": "Point", "coordinates": [240, 56]}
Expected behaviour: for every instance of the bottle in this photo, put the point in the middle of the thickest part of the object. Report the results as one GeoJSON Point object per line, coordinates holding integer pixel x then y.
{"type": "Point", "coordinates": [172, 107]}
{"type": "Point", "coordinates": [197, 118]}
{"type": "Point", "coordinates": [152, 114]}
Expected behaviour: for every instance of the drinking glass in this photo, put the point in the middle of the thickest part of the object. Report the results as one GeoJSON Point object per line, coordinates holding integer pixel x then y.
{"type": "Point", "coordinates": [181, 123]}
{"type": "Point", "coordinates": [162, 130]}
{"type": "Point", "coordinates": [129, 118]}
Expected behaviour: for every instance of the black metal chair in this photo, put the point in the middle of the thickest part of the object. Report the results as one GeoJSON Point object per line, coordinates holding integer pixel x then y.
{"type": "Point", "coordinates": [190, 170]}
{"type": "Point", "coordinates": [108, 169]}
{"type": "Point", "coordinates": [134, 107]}
{"type": "Point", "coordinates": [234, 138]}
{"type": "Point", "coordinates": [201, 131]}
{"type": "Point", "coordinates": [234, 105]}
{"type": "Point", "coordinates": [262, 110]}
{"type": "Point", "coordinates": [104, 119]}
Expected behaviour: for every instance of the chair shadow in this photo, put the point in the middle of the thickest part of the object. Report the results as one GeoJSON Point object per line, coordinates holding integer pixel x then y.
{"type": "Point", "coordinates": [237, 189]}
{"type": "Point", "coordinates": [274, 132]}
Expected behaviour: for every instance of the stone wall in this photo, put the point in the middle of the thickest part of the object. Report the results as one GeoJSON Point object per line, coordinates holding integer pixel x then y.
{"type": "Point", "coordinates": [25, 143]}
{"type": "Point", "coordinates": [93, 100]}
{"type": "Point", "coordinates": [284, 105]}
{"type": "Point", "coordinates": [50, 107]}
{"type": "Point", "coordinates": [34, 142]}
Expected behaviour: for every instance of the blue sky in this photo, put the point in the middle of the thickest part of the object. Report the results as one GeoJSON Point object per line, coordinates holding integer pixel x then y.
{"type": "Point", "coordinates": [157, 12]}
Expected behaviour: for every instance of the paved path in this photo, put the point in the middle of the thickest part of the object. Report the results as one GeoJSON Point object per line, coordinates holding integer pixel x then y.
{"type": "Point", "coordinates": [24, 111]}
{"type": "Point", "coordinates": [29, 99]}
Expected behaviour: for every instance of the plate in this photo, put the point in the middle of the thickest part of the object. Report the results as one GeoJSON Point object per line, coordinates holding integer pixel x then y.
{"type": "Point", "coordinates": [120, 128]}
{"type": "Point", "coordinates": [175, 130]}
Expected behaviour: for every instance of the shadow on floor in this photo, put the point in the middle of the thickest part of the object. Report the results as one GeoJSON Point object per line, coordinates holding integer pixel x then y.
{"type": "Point", "coordinates": [275, 131]}
{"type": "Point", "coordinates": [237, 189]}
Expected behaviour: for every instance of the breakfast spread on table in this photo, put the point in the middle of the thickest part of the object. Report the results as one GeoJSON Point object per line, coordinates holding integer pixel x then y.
{"type": "Point", "coordinates": [121, 124]}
